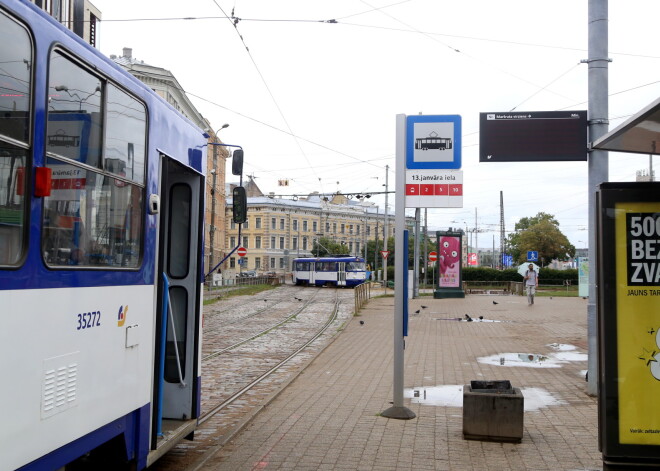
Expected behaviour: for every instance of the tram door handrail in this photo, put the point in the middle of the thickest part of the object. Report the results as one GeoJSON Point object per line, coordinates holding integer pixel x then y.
{"type": "Point", "coordinates": [167, 313]}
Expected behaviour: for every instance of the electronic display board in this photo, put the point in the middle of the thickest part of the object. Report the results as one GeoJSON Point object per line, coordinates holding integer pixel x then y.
{"type": "Point", "coordinates": [534, 136]}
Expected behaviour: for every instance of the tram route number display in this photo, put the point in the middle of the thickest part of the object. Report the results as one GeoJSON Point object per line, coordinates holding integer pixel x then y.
{"type": "Point", "coordinates": [643, 249]}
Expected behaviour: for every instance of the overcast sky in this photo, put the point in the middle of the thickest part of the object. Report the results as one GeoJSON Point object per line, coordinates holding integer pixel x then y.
{"type": "Point", "coordinates": [311, 89]}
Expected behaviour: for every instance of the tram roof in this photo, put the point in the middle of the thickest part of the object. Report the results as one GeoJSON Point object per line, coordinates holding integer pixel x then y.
{"type": "Point", "coordinates": [639, 134]}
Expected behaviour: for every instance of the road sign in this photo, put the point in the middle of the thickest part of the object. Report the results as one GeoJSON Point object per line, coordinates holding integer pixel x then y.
{"type": "Point", "coordinates": [433, 142]}
{"type": "Point", "coordinates": [532, 256]}
{"type": "Point", "coordinates": [434, 189]}
{"type": "Point", "coordinates": [433, 256]}
{"type": "Point", "coordinates": [384, 253]}
{"type": "Point", "coordinates": [242, 251]}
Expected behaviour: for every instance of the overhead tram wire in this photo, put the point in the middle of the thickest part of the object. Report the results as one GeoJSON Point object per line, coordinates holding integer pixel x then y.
{"type": "Point", "coordinates": [461, 52]}
{"type": "Point", "coordinates": [385, 28]}
{"type": "Point", "coordinates": [263, 79]}
{"type": "Point", "coordinates": [545, 87]}
{"type": "Point", "coordinates": [273, 127]}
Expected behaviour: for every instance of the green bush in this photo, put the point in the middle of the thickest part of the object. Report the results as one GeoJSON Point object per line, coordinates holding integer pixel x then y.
{"type": "Point", "coordinates": [546, 275]}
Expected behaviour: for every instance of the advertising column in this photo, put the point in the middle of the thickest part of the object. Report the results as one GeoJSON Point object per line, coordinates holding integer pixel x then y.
{"type": "Point", "coordinates": [629, 321]}
{"type": "Point", "coordinates": [450, 270]}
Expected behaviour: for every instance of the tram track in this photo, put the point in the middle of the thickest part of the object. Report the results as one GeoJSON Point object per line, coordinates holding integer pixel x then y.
{"type": "Point", "coordinates": [241, 378]}
{"type": "Point", "coordinates": [260, 333]}
{"type": "Point", "coordinates": [265, 375]}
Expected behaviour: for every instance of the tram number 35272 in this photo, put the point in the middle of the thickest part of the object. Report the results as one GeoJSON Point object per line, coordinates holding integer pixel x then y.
{"type": "Point", "coordinates": [87, 320]}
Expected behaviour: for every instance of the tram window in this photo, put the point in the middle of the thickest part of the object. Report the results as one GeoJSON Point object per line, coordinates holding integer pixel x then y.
{"type": "Point", "coordinates": [176, 337]}
{"type": "Point", "coordinates": [75, 124]}
{"type": "Point", "coordinates": [91, 220]}
{"type": "Point", "coordinates": [326, 266]}
{"type": "Point", "coordinates": [302, 266]}
{"type": "Point", "coordinates": [12, 204]}
{"type": "Point", "coordinates": [15, 80]}
{"type": "Point", "coordinates": [179, 230]}
{"type": "Point", "coordinates": [125, 132]}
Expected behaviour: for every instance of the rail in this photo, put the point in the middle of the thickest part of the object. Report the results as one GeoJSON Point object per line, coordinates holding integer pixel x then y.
{"type": "Point", "coordinates": [263, 331]}
{"type": "Point", "coordinates": [265, 375]}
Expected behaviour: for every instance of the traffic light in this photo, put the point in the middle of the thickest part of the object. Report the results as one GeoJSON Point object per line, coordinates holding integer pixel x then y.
{"type": "Point", "coordinates": [239, 205]}
{"type": "Point", "coordinates": [237, 162]}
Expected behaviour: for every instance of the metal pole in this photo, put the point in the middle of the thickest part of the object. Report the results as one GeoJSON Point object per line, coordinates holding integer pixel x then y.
{"type": "Point", "coordinates": [386, 226]}
{"type": "Point", "coordinates": [212, 228]}
{"type": "Point", "coordinates": [426, 248]}
{"type": "Point", "coordinates": [598, 162]}
{"type": "Point", "coordinates": [476, 237]}
{"type": "Point", "coordinates": [364, 235]}
{"type": "Point", "coordinates": [398, 411]}
{"type": "Point", "coordinates": [416, 256]}
{"type": "Point", "coordinates": [376, 246]}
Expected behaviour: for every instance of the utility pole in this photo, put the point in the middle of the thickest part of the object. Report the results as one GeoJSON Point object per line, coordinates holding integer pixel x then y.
{"type": "Point", "coordinates": [387, 171]}
{"type": "Point", "coordinates": [376, 252]}
{"type": "Point", "coordinates": [502, 230]}
{"type": "Point", "coordinates": [598, 163]}
{"type": "Point", "coordinates": [476, 236]}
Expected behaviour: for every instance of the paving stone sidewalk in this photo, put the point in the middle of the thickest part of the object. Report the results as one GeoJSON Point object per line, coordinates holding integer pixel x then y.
{"type": "Point", "coordinates": [329, 417]}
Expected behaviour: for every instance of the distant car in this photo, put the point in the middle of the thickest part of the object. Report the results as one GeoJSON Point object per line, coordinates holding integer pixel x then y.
{"type": "Point", "coordinates": [270, 273]}
{"type": "Point", "coordinates": [248, 274]}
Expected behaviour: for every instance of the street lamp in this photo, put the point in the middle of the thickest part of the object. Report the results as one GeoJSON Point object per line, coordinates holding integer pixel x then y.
{"type": "Point", "coordinates": [214, 172]}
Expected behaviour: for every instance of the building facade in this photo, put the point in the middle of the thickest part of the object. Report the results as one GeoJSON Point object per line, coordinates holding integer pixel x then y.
{"type": "Point", "coordinates": [80, 16]}
{"type": "Point", "coordinates": [279, 230]}
{"type": "Point", "coordinates": [167, 87]}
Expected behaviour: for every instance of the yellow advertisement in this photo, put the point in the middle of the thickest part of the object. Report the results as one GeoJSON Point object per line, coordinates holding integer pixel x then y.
{"type": "Point", "coordinates": [637, 248]}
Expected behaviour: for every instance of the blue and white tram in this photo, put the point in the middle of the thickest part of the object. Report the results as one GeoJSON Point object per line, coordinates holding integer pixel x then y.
{"type": "Point", "coordinates": [330, 271]}
{"type": "Point", "coordinates": [101, 228]}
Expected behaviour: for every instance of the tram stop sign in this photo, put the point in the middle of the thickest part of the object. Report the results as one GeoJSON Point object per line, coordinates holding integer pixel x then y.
{"type": "Point", "coordinates": [433, 256]}
{"type": "Point", "coordinates": [242, 251]}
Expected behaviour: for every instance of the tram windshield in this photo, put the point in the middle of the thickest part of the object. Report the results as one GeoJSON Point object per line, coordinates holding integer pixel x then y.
{"type": "Point", "coordinates": [355, 266]}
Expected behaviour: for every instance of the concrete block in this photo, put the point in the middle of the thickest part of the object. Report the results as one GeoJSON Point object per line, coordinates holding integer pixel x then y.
{"type": "Point", "coordinates": [493, 411]}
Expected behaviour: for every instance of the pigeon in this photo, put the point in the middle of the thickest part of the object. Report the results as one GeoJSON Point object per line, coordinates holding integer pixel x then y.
{"type": "Point", "coordinates": [468, 318]}
{"type": "Point", "coordinates": [423, 307]}
{"type": "Point", "coordinates": [495, 302]}
{"type": "Point", "coordinates": [481, 318]}
{"type": "Point", "coordinates": [265, 300]}
{"type": "Point", "coordinates": [361, 322]}
{"type": "Point", "coordinates": [417, 311]}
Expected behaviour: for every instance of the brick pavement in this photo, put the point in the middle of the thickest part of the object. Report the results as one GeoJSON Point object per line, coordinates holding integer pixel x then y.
{"type": "Point", "coordinates": [329, 417]}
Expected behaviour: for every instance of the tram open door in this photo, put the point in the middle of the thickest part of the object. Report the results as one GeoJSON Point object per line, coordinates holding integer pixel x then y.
{"type": "Point", "coordinates": [341, 273]}
{"type": "Point", "coordinates": [177, 380]}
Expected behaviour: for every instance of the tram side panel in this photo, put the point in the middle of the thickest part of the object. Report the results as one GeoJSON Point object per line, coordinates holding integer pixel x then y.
{"type": "Point", "coordinates": [79, 359]}
{"type": "Point", "coordinates": [78, 343]}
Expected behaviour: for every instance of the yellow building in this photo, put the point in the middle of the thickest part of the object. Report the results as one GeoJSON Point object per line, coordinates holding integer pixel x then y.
{"type": "Point", "coordinates": [279, 230]}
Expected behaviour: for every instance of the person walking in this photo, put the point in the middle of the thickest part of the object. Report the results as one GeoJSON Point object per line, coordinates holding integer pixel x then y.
{"type": "Point", "coordinates": [531, 283]}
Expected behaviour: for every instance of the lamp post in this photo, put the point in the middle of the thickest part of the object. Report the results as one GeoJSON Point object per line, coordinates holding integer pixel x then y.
{"type": "Point", "coordinates": [214, 172]}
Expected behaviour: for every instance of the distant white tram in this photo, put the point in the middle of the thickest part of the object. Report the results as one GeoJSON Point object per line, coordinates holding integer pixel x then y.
{"type": "Point", "coordinates": [329, 271]}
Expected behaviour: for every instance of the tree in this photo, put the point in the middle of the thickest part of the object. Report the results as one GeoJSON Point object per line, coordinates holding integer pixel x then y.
{"type": "Point", "coordinates": [326, 247]}
{"type": "Point", "coordinates": [540, 233]}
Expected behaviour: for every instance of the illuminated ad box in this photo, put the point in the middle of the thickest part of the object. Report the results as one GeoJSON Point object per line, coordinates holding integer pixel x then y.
{"type": "Point", "coordinates": [449, 265]}
{"type": "Point", "coordinates": [628, 324]}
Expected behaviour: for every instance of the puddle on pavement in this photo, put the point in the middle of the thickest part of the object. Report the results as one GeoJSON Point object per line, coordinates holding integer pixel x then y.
{"type": "Point", "coordinates": [452, 396]}
{"type": "Point", "coordinates": [565, 354]}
